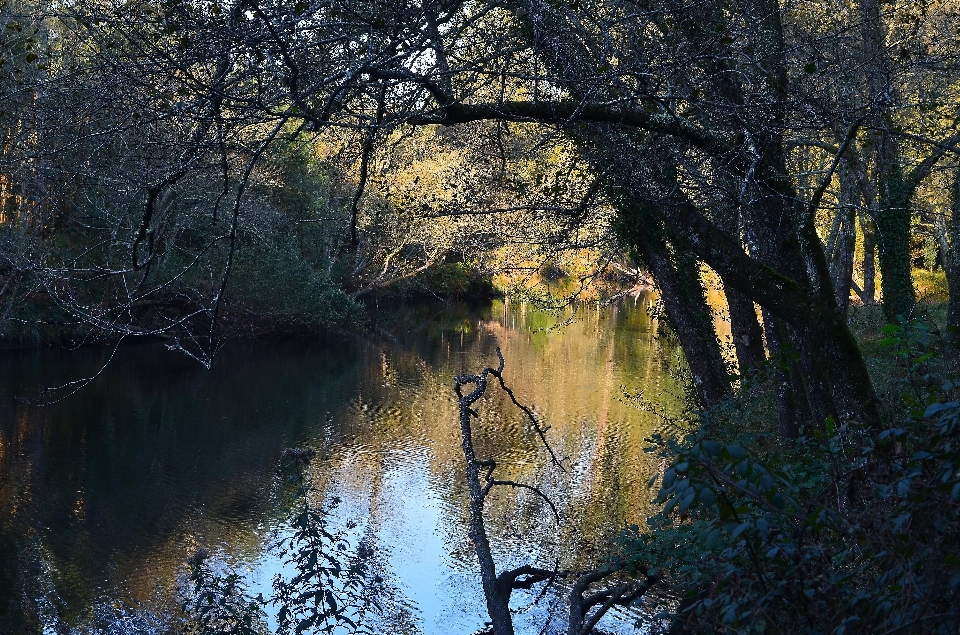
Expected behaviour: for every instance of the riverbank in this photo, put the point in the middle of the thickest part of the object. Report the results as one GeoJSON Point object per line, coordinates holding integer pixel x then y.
{"type": "Point", "coordinates": [271, 306]}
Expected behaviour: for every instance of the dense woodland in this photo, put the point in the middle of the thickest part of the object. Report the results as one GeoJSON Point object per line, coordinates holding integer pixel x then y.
{"type": "Point", "coordinates": [194, 170]}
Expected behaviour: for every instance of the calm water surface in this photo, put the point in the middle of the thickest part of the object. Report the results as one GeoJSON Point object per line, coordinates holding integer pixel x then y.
{"type": "Point", "coordinates": [106, 494]}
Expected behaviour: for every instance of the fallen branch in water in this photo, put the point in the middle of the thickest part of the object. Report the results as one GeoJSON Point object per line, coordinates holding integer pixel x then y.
{"type": "Point", "coordinates": [586, 609]}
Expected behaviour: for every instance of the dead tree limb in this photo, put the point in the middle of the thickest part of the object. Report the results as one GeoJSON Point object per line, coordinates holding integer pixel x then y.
{"type": "Point", "coordinates": [582, 621]}
{"type": "Point", "coordinates": [585, 610]}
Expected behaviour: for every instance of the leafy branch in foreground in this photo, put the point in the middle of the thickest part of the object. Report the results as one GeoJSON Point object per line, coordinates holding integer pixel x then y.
{"type": "Point", "coordinates": [838, 532]}
{"type": "Point", "coordinates": [328, 589]}
{"type": "Point", "coordinates": [331, 586]}
{"type": "Point", "coordinates": [219, 603]}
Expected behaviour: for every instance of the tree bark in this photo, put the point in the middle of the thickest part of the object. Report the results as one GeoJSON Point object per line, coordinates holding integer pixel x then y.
{"type": "Point", "coordinates": [952, 258]}
{"type": "Point", "coordinates": [893, 190]}
{"type": "Point", "coordinates": [678, 279]}
{"type": "Point", "coordinates": [869, 260]}
{"type": "Point", "coordinates": [893, 229]}
{"type": "Point", "coordinates": [776, 270]}
{"type": "Point", "coordinates": [841, 257]}
{"type": "Point", "coordinates": [498, 602]}
{"type": "Point", "coordinates": [745, 330]}
{"type": "Point", "coordinates": [790, 413]}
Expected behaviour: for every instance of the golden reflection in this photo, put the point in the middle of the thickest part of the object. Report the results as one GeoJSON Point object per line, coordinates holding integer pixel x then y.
{"type": "Point", "coordinates": [157, 458]}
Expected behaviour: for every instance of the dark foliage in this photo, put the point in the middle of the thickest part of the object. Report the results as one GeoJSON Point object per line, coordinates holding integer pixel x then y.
{"type": "Point", "coordinates": [837, 532]}
{"type": "Point", "coordinates": [331, 586]}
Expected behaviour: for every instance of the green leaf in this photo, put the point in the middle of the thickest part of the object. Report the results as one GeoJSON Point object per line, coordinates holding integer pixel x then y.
{"type": "Point", "coordinates": [711, 447]}
{"type": "Point", "coordinates": [670, 505]}
{"type": "Point", "coordinates": [736, 451]}
{"type": "Point", "coordinates": [707, 497]}
{"type": "Point", "coordinates": [763, 527]}
{"type": "Point", "coordinates": [933, 409]}
{"type": "Point", "coordinates": [712, 538]}
{"type": "Point", "coordinates": [668, 478]}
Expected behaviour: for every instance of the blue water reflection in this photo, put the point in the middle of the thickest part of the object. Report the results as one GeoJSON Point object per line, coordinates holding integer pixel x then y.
{"type": "Point", "coordinates": [106, 494]}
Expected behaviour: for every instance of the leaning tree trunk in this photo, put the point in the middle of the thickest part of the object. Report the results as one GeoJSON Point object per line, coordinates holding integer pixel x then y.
{"type": "Point", "coordinates": [498, 601]}
{"type": "Point", "coordinates": [793, 252]}
{"type": "Point", "coordinates": [647, 173]}
{"type": "Point", "coordinates": [588, 604]}
{"type": "Point", "coordinates": [678, 278]}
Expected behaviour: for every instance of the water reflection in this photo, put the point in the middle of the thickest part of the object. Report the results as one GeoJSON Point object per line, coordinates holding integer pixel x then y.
{"type": "Point", "coordinates": [104, 495]}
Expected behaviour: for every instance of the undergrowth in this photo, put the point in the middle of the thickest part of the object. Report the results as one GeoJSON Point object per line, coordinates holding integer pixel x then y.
{"type": "Point", "coordinates": [840, 531]}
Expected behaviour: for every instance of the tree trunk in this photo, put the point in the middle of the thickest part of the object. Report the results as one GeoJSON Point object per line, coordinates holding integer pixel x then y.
{"type": "Point", "coordinates": [745, 330]}
{"type": "Point", "coordinates": [841, 256]}
{"type": "Point", "coordinates": [869, 260]}
{"type": "Point", "coordinates": [789, 413]}
{"type": "Point", "coordinates": [498, 601]}
{"type": "Point", "coordinates": [893, 191]}
{"type": "Point", "coordinates": [773, 240]}
{"type": "Point", "coordinates": [893, 229]}
{"type": "Point", "coordinates": [952, 262]}
{"type": "Point", "coordinates": [678, 279]}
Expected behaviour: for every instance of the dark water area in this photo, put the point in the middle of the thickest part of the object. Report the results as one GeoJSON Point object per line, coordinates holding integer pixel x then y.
{"type": "Point", "coordinates": [106, 494]}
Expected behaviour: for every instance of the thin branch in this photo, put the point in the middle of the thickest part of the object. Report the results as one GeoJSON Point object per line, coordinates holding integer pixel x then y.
{"type": "Point", "coordinates": [828, 177]}
{"type": "Point", "coordinates": [77, 384]}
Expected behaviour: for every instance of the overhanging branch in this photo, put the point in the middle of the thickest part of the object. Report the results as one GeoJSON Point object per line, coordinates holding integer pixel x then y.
{"type": "Point", "coordinates": [569, 112]}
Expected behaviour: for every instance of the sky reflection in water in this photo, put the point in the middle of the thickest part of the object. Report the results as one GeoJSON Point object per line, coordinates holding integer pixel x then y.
{"type": "Point", "coordinates": [104, 495]}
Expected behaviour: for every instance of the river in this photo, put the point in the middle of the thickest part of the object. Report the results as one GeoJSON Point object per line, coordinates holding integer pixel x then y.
{"type": "Point", "coordinates": [107, 493]}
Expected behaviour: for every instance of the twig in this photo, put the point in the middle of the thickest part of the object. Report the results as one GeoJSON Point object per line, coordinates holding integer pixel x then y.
{"type": "Point", "coordinates": [78, 383]}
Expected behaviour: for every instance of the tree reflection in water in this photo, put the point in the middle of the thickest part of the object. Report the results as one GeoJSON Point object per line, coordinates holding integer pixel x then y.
{"type": "Point", "coordinates": [104, 497]}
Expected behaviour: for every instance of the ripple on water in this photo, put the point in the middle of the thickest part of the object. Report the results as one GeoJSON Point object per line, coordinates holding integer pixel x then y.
{"type": "Point", "coordinates": [158, 458]}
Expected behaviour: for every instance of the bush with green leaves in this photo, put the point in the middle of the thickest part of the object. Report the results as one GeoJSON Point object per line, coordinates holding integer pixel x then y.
{"type": "Point", "coordinates": [332, 587]}
{"type": "Point", "coordinates": [840, 531]}
{"type": "Point", "coordinates": [278, 284]}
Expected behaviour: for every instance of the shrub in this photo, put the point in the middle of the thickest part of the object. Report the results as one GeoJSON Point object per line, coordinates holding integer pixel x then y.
{"type": "Point", "coordinates": [282, 286]}
{"type": "Point", "coordinates": [836, 532]}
